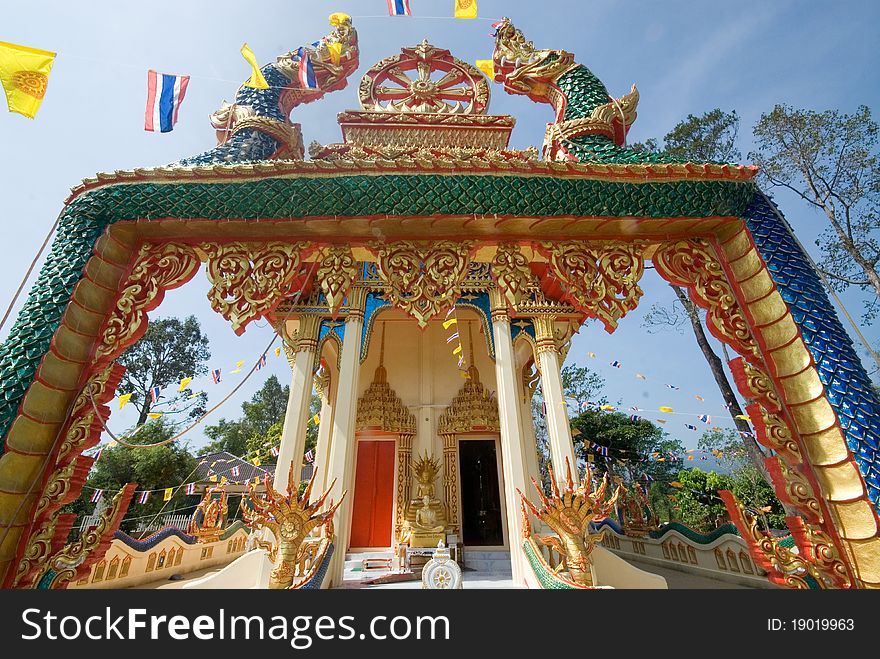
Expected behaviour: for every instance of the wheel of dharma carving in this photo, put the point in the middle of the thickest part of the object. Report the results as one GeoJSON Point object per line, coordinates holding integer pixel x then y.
{"type": "Point", "coordinates": [441, 572]}
{"type": "Point", "coordinates": [425, 79]}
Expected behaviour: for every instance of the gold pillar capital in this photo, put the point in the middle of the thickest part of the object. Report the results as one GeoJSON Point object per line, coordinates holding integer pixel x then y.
{"type": "Point", "coordinates": [357, 300]}
{"type": "Point", "coordinates": [498, 305]}
{"type": "Point", "coordinates": [545, 334]}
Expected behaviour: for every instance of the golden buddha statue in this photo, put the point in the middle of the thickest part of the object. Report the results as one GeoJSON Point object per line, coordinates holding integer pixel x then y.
{"type": "Point", "coordinates": [425, 519]}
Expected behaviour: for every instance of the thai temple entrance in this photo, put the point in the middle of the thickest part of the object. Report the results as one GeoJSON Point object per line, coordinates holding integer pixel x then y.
{"type": "Point", "coordinates": [481, 513]}
{"type": "Point", "coordinates": [440, 276]}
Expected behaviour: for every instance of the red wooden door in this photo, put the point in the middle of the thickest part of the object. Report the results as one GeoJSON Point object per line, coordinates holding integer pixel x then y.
{"type": "Point", "coordinates": [373, 495]}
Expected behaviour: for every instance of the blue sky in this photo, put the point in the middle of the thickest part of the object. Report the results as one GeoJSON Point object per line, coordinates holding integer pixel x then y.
{"type": "Point", "coordinates": [685, 57]}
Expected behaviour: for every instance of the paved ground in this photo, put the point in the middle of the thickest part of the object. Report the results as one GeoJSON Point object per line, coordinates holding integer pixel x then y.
{"type": "Point", "coordinates": [674, 578]}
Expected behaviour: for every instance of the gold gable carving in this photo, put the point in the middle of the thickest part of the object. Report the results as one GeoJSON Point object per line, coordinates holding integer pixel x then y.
{"type": "Point", "coordinates": [471, 409]}
{"type": "Point", "coordinates": [381, 408]}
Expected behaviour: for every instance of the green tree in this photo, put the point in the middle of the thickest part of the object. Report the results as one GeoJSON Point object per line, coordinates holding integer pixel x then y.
{"type": "Point", "coordinates": [711, 137]}
{"type": "Point", "coordinates": [259, 427]}
{"type": "Point", "coordinates": [265, 408]}
{"type": "Point", "coordinates": [696, 502]}
{"type": "Point", "coordinates": [749, 485]}
{"type": "Point", "coordinates": [153, 468]}
{"type": "Point", "coordinates": [169, 350]}
{"type": "Point", "coordinates": [830, 160]}
{"type": "Point", "coordinates": [636, 449]}
{"type": "Point", "coordinates": [581, 384]}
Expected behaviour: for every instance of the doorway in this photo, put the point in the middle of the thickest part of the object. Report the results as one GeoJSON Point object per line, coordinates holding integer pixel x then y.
{"type": "Point", "coordinates": [373, 506]}
{"type": "Point", "coordinates": [481, 517]}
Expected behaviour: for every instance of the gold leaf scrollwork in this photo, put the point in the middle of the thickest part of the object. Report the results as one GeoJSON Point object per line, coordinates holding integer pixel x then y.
{"type": "Point", "coordinates": [511, 272]}
{"type": "Point", "coordinates": [336, 272]}
{"type": "Point", "coordinates": [601, 279]}
{"type": "Point", "coordinates": [250, 279]}
{"type": "Point", "coordinates": [783, 566]}
{"type": "Point", "coordinates": [471, 409]}
{"type": "Point", "coordinates": [761, 387]}
{"type": "Point", "coordinates": [693, 264]}
{"type": "Point", "coordinates": [773, 432]}
{"type": "Point", "coordinates": [158, 268]}
{"type": "Point", "coordinates": [423, 277]}
{"type": "Point", "coordinates": [796, 488]}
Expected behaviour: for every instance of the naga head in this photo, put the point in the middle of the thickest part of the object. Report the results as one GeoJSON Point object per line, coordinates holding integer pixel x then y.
{"type": "Point", "coordinates": [334, 58]}
{"type": "Point", "coordinates": [523, 69]}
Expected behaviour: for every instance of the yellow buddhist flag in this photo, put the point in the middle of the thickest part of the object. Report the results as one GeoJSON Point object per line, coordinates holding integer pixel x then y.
{"type": "Point", "coordinates": [168, 492]}
{"type": "Point", "coordinates": [465, 8]}
{"type": "Point", "coordinates": [675, 484]}
{"type": "Point", "coordinates": [257, 81]}
{"type": "Point", "coordinates": [316, 419]}
{"type": "Point", "coordinates": [213, 477]}
{"type": "Point", "coordinates": [184, 383]}
{"type": "Point", "coordinates": [223, 480]}
{"type": "Point", "coordinates": [24, 74]}
{"type": "Point", "coordinates": [154, 415]}
{"type": "Point", "coordinates": [123, 400]}
{"type": "Point", "coordinates": [337, 18]}
{"type": "Point", "coordinates": [665, 409]}
{"type": "Point", "coordinates": [591, 355]}
{"type": "Point", "coordinates": [238, 366]}
{"type": "Point", "coordinates": [607, 408]}
{"type": "Point", "coordinates": [690, 457]}
{"type": "Point", "coordinates": [335, 50]}
{"type": "Point", "coordinates": [112, 443]}
{"type": "Point", "coordinates": [744, 417]}
{"type": "Point", "coordinates": [257, 462]}
{"type": "Point", "coordinates": [277, 352]}
{"type": "Point", "coordinates": [487, 66]}
{"type": "Point", "coordinates": [457, 349]}
{"type": "Point", "coordinates": [449, 323]}
{"type": "Point", "coordinates": [699, 398]}
{"type": "Point", "coordinates": [590, 457]}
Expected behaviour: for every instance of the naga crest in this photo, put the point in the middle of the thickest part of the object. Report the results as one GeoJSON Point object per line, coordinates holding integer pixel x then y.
{"type": "Point", "coordinates": [582, 103]}
{"type": "Point", "coordinates": [291, 519]}
{"type": "Point", "coordinates": [568, 514]}
{"type": "Point", "coordinates": [522, 68]}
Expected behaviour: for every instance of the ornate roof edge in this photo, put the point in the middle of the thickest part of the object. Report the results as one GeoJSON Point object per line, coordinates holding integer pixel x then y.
{"type": "Point", "coordinates": [630, 173]}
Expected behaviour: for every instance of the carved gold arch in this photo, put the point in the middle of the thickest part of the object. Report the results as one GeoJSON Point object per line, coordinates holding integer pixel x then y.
{"type": "Point", "coordinates": [125, 279]}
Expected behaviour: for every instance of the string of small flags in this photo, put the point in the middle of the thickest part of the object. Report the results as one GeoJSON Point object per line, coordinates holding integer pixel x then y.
{"type": "Point", "coordinates": [142, 496]}
{"type": "Point", "coordinates": [166, 91]}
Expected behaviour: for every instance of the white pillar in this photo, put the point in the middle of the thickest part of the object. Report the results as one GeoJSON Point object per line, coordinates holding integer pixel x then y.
{"type": "Point", "coordinates": [341, 457]}
{"type": "Point", "coordinates": [513, 465]}
{"type": "Point", "coordinates": [293, 433]}
{"type": "Point", "coordinates": [558, 427]}
{"type": "Point", "coordinates": [530, 442]}
{"type": "Point", "coordinates": [322, 446]}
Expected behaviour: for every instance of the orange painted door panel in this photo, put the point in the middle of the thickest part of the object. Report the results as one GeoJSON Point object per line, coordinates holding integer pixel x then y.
{"type": "Point", "coordinates": [373, 495]}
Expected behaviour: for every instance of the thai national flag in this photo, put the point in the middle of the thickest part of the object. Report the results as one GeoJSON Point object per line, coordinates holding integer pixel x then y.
{"type": "Point", "coordinates": [144, 496]}
{"type": "Point", "coordinates": [705, 418]}
{"type": "Point", "coordinates": [398, 8]}
{"type": "Point", "coordinates": [262, 362]}
{"type": "Point", "coordinates": [615, 364]}
{"type": "Point", "coordinates": [164, 95]}
{"type": "Point", "coordinates": [236, 470]}
{"type": "Point", "coordinates": [307, 79]}
{"type": "Point", "coordinates": [690, 427]}
{"type": "Point", "coordinates": [310, 456]}
{"type": "Point", "coordinates": [672, 386]}
{"type": "Point", "coordinates": [96, 495]}
{"type": "Point", "coordinates": [155, 392]}
{"type": "Point", "coordinates": [215, 374]}
{"type": "Point", "coordinates": [274, 451]}
{"type": "Point", "coordinates": [191, 488]}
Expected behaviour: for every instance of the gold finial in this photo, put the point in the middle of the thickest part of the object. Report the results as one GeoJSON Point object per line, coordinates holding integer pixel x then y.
{"type": "Point", "coordinates": [381, 374]}
{"type": "Point", "coordinates": [472, 369]}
